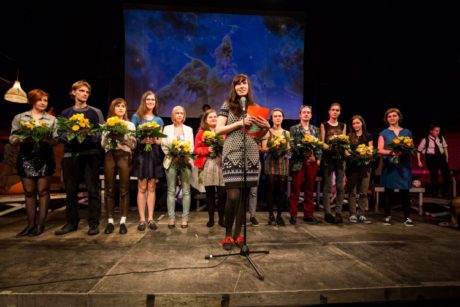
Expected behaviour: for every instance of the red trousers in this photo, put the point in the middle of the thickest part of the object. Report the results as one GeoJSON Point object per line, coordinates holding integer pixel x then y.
{"type": "Point", "coordinates": [306, 177]}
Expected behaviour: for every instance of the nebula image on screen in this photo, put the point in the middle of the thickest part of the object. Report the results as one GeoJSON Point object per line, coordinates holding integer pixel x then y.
{"type": "Point", "coordinates": [190, 58]}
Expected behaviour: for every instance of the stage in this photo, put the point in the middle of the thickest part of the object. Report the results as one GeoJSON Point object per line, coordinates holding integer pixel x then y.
{"type": "Point", "coordinates": [307, 264]}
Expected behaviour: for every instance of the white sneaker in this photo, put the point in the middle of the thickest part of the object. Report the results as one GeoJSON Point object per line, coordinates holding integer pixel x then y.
{"type": "Point", "coordinates": [409, 222]}
{"type": "Point", "coordinates": [363, 219]}
{"type": "Point", "coordinates": [353, 219]}
{"type": "Point", "coordinates": [387, 221]}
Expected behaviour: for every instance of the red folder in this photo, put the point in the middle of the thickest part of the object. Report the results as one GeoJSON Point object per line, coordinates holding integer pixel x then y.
{"type": "Point", "coordinates": [254, 130]}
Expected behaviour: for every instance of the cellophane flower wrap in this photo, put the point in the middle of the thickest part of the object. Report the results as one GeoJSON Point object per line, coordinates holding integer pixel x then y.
{"type": "Point", "coordinates": [180, 153]}
{"type": "Point", "coordinates": [149, 130]}
{"type": "Point", "coordinates": [34, 131]}
{"type": "Point", "coordinates": [215, 141]}
{"type": "Point", "coordinates": [278, 145]}
{"type": "Point", "coordinates": [403, 145]}
{"type": "Point", "coordinates": [338, 143]}
{"type": "Point", "coordinates": [114, 127]}
{"type": "Point", "coordinates": [76, 127]}
{"type": "Point", "coordinates": [305, 147]}
{"type": "Point", "coordinates": [363, 155]}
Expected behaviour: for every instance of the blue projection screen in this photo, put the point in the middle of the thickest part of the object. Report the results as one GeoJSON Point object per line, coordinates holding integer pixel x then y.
{"type": "Point", "coordinates": [190, 58]}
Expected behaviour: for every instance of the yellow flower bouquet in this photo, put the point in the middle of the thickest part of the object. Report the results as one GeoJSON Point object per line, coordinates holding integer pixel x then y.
{"type": "Point", "coordinates": [116, 128]}
{"type": "Point", "coordinates": [215, 141]}
{"type": "Point", "coordinates": [34, 131]}
{"type": "Point", "coordinates": [149, 130]}
{"type": "Point", "coordinates": [338, 143]}
{"type": "Point", "coordinates": [306, 145]}
{"type": "Point", "coordinates": [363, 155]}
{"type": "Point", "coordinates": [278, 145]}
{"type": "Point", "coordinates": [76, 127]}
{"type": "Point", "coordinates": [180, 152]}
{"type": "Point", "coordinates": [401, 145]}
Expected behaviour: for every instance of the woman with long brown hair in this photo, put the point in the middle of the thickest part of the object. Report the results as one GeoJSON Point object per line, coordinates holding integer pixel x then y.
{"type": "Point", "coordinates": [231, 122]}
{"type": "Point", "coordinates": [147, 164]}
{"type": "Point", "coordinates": [358, 176]}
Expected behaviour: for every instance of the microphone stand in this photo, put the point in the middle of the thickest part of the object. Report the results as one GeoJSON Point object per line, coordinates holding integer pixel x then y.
{"type": "Point", "coordinates": [244, 251]}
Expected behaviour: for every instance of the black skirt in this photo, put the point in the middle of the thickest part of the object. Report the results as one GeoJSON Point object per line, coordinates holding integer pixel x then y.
{"type": "Point", "coordinates": [35, 160]}
{"type": "Point", "coordinates": [147, 164]}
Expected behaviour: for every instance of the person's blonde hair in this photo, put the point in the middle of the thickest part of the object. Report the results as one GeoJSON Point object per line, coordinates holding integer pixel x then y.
{"type": "Point", "coordinates": [80, 83]}
{"type": "Point", "coordinates": [114, 103]}
{"type": "Point", "coordinates": [173, 111]}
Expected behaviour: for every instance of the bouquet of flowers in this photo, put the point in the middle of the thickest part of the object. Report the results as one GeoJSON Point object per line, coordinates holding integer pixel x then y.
{"type": "Point", "coordinates": [278, 145]}
{"type": "Point", "coordinates": [363, 155]}
{"type": "Point", "coordinates": [33, 130]}
{"type": "Point", "coordinates": [401, 145]}
{"type": "Point", "coordinates": [305, 147]}
{"type": "Point", "coordinates": [180, 153]}
{"type": "Point", "coordinates": [77, 126]}
{"type": "Point", "coordinates": [149, 130]}
{"type": "Point", "coordinates": [214, 141]}
{"type": "Point", "coordinates": [116, 128]}
{"type": "Point", "coordinates": [338, 143]}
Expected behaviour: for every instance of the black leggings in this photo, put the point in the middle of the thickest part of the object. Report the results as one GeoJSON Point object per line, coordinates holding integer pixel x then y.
{"type": "Point", "coordinates": [389, 198]}
{"type": "Point", "coordinates": [235, 210]}
{"type": "Point", "coordinates": [211, 199]}
{"type": "Point", "coordinates": [277, 188]}
{"type": "Point", "coordinates": [32, 187]}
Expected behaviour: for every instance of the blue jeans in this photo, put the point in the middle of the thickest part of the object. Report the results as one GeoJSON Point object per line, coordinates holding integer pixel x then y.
{"type": "Point", "coordinates": [185, 174]}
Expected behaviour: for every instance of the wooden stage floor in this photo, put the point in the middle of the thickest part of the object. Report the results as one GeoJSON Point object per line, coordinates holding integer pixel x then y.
{"type": "Point", "coordinates": [307, 265]}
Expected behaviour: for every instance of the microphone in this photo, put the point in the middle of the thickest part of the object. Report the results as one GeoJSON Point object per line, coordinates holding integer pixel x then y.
{"type": "Point", "coordinates": [243, 103]}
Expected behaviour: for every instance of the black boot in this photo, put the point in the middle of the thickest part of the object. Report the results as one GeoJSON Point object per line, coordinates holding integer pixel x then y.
{"type": "Point", "coordinates": [26, 231]}
{"type": "Point", "coordinates": [211, 219]}
{"type": "Point", "coordinates": [38, 230]}
{"type": "Point", "coordinates": [280, 221]}
{"type": "Point", "coordinates": [221, 218]}
{"type": "Point", "coordinates": [271, 220]}
{"type": "Point", "coordinates": [338, 219]}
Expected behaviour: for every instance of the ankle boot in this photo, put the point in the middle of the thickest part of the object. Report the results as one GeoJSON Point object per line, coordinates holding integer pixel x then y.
{"type": "Point", "coordinates": [38, 230]}
{"type": "Point", "coordinates": [26, 231]}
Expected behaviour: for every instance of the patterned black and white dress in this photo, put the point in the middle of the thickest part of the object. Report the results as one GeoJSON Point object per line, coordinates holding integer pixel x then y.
{"type": "Point", "coordinates": [233, 158]}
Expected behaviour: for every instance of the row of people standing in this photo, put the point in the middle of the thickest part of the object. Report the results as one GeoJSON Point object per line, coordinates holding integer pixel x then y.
{"type": "Point", "coordinates": [36, 164]}
{"type": "Point", "coordinates": [84, 159]}
{"type": "Point", "coordinates": [303, 170]}
{"type": "Point", "coordinates": [243, 162]}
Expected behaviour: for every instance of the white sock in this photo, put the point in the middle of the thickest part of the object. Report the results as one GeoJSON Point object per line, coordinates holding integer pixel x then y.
{"type": "Point", "coordinates": [123, 220]}
{"type": "Point", "coordinates": [110, 220]}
